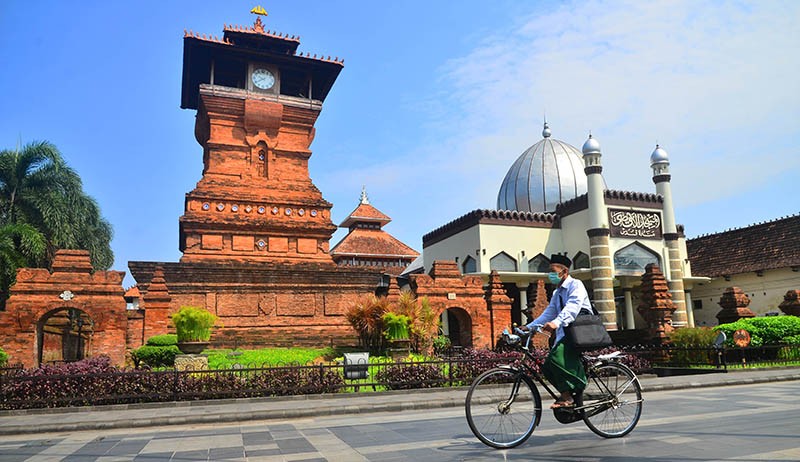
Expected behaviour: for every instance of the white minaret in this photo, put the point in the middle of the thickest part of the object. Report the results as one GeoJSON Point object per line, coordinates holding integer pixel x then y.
{"type": "Point", "coordinates": [659, 162]}
{"type": "Point", "coordinates": [598, 232]}
{"type": "Point", "coordinates": [595, 185]}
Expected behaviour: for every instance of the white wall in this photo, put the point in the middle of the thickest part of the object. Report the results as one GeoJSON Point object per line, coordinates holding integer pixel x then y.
{"type": "Point", "coordinates": [766, 293]}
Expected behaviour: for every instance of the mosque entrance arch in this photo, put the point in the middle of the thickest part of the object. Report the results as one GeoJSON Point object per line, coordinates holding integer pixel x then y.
{"type": "Point", "coordinates": [63, 335]}
{"type": "Point", "coordinates": [457, 326]}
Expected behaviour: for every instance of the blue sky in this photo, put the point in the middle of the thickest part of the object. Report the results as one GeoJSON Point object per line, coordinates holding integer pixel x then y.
{"type": "Point", "coordinates": [435, 102]}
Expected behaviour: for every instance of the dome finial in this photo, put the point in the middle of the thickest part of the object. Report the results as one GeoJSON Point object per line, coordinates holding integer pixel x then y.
{"type": "Point", "coordinates": [591, 146]}
{"type": "Point", "coordinates": [364, 198]}
{"type": "Point", "coordinates": [546, 131]}
{"type": "Point", "coordinates": [659, 156]}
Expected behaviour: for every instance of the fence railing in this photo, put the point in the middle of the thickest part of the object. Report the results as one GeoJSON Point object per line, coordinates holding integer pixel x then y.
{"type": "Point", "coordinates": [20, 388]}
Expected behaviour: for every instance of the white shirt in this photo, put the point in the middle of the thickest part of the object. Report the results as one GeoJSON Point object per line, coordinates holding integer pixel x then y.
{"type": "Point", "coordinates": [572, 296]}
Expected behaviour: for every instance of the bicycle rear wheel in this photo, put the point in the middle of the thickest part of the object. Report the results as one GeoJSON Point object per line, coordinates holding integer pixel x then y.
{"type": "Point", "coordinates": [503, 408]}
{"type": "Point", "coordinates": [612, 400]}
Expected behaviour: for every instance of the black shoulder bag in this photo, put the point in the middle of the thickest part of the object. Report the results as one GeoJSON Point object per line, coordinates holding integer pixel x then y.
{"type": "Point", "coordinates": [587, 331]}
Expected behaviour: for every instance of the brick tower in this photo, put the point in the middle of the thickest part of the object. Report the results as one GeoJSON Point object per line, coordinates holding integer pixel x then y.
{"type": "Point", "coordinates": [255, 230]}
{"type": "Point", "coordinates": [257, 100]}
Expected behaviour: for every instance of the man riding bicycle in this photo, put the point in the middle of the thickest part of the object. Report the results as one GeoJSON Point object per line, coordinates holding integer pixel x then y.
{"type": "Point", "coordinates": [563, 367]}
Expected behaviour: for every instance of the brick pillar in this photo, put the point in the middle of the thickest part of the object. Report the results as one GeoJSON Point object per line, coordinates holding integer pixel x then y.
{"type": "Point", "coordinates": [499, 305]}
{"type": "Point", "coordinates": [680, 317]}
{"type": "Point", "coordinates": [734, 304]}
{"type": "Point", "coordinates": [156, 306]}
{"type": "Point", "coordinates": [394, 290]}
{"type": "Point", "coordinates": [656, 306]}
{"type": "Point", "coordinates": [537, 302]}
{"type": "Point", "coordinates": [602, 276]}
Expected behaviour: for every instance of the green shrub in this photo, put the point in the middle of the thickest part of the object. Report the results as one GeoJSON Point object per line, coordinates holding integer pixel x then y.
{"type": "Point", "coordinates": [3, 358]}
{"type": "Point", "coordinates": [155, 356]}
{"type": "Point", "coordinates": [193, 324]}
{"type": "Point", "coordinates": [163, 340]}
{"type": "Point", "coordinates": [396, 326]}
{"type": "Point", "coordinates": [265, 357]}
{"type": "Point", "coordinates": [792, 340]}
{"type": "Point", "coordinates": [693, 337]}
{"type": "Point", "coordinates": [789, 353]}
{"type": "Point", "coordinates": [769, 330]}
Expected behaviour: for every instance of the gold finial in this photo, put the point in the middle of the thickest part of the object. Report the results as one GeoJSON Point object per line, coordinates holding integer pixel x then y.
{"type": "Point", "coordinates": [259, 10]}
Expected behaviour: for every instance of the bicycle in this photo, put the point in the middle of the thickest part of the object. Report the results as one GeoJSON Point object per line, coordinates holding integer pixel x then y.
{"type": "Point", "coordinates": [503, 404]}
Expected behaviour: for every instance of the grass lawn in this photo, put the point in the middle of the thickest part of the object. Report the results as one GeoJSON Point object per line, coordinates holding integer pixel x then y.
{"type": "Point", "coordinates": [265, 357]}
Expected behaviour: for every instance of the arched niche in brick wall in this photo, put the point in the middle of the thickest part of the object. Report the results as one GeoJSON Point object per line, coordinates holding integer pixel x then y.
{"type": "Point", "coordinates": [63, 334]}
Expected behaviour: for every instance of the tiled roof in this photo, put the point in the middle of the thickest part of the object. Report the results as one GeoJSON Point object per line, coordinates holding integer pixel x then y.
{"type": "Point", "coordinates": [132, 292]}
{"type": "Point", "coordinates": [492, 217]}
{"type": "Point", "coordinates": [365, 212]}
{"type": "Point", "coordinates": [771, 245]}
{"type": "Point", "coordinates": [372, 243]}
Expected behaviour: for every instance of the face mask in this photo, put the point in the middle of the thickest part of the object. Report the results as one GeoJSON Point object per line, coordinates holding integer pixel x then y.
{"type": "Point", "coordinates": [553, 277]}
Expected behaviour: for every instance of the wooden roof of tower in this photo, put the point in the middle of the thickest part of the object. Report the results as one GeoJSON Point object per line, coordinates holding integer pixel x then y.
{"type": "Point", "coordinates": [249, 43]}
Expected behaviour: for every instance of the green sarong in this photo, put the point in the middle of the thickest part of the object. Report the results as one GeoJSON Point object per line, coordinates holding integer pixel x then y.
{"type": "Point", "coordinates": [563, 368]}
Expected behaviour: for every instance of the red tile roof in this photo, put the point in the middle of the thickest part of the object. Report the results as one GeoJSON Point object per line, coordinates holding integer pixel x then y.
{"type": "Point", "coordinates": [132, 292]}
{"type": "Point", "coordinates": [366, 213]}
{"type": "Point", "coordinates": [763, 246]}
{"type": "Point", "coordinates": [372, 243]}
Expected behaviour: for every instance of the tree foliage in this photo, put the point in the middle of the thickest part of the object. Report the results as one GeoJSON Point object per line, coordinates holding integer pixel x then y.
{"type": "Point", "coordinates": [40, 193]}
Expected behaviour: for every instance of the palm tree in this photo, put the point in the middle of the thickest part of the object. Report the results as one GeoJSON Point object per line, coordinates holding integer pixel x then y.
{"type": "Point", "coordinates": [39, 189]}
{"type": "Point", "coordinates": [19, 245]}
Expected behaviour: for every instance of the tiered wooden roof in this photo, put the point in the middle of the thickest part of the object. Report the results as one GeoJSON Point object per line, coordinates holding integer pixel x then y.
{"type": "Point", "coordinates": [763, 246]}
{"type": "Point", "coordinates": [367, 239]}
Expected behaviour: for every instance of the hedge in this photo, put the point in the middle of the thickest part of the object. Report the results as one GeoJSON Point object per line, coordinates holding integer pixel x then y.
{"type": "Point", "coordinates": [768, 330]}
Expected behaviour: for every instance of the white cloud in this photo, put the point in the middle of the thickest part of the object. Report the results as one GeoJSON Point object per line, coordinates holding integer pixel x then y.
{"type": "Point", "coordinates": [715, 83]}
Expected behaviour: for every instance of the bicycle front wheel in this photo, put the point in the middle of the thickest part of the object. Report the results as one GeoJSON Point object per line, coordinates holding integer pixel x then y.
{"type": "Point", "coordinates": [503, 408]}
{"type": "Point", "coordinates": [612, 400]}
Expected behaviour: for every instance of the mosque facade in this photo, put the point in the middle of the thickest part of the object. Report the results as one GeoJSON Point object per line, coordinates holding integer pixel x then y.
{"type": "Point", "coordinates": [554, 200]}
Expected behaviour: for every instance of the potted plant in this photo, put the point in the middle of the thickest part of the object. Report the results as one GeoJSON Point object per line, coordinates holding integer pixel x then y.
{"type": "Point", "coordinates": [193, 326]}
{"type": "Point", "coordinates": [396, 331]}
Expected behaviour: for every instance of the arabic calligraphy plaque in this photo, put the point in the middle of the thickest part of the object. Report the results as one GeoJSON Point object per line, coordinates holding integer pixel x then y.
{"type": "Point", "coordinates": [635, 224]}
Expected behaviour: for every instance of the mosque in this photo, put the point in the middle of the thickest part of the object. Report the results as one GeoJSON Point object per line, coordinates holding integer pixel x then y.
{"type": "Point", "coordinates": [554, 200]}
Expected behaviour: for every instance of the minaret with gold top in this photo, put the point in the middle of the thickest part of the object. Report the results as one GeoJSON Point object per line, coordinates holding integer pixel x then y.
{"type": "Point", "coordinates": [257, 100]}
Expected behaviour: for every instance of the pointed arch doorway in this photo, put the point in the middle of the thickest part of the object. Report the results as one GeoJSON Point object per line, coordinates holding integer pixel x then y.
{"type": "Point", "coordinates": [63, 335]}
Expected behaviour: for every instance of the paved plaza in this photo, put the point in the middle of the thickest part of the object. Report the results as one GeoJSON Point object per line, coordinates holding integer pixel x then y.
{"type": "Point", "coordinates": [693, 423]}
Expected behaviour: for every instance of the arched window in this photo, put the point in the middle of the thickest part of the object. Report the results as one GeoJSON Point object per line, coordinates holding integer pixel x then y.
{"type": "Point", "coordinates": [581, 260]}
{"type": "Point", "coordinates": [632, 259]}
{"type": "Point", "coordinates": [261, 161]}
{"type": "Point", "coordinates": [539, 264]}
{"type": "Point", "coordinates": [503, 262]}
{"type": "Point", "coordinates": [469, 265]}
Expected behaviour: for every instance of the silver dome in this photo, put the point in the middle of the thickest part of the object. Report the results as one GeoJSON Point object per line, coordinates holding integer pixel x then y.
{"type": "Point", "coordinates": [546, 174]}
{"type": "Point", "coordinates": [591, 146]}
{"type": "Point", "coordinates": [659, 156]}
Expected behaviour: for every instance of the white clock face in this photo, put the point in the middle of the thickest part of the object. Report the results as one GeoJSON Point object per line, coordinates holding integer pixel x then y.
{"type": "Point", "coordinates": [263, 79]}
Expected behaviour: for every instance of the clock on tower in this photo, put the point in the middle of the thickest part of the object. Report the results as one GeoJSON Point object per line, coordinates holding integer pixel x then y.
{"type": "Point", "coordinates": [257, 99]}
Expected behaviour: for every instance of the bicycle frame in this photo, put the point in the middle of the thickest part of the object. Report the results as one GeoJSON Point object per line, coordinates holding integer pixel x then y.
{"type": "Point", "coordinates": [589, 365]}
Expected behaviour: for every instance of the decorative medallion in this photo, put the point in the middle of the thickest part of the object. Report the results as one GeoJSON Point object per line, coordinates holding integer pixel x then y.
{"type": "Point", "coordinates": [301, 212]}
{"type": "Point", "coordinates": [66, 295]}
{"type": "Point", "coordinates": [206, 206]}
{"type": "Point", "coordinates": [261, 244]}
{"type": "Point", "coordinates": [220, 207]}
{"type": "Point", "coordinates": [261, 156]}
{"type": "Point", "coordinates": [288, 211]}
{"type": "Point", "coordinates": [275, 210]}
{"type": "Point", "coordinates": [234, 208]}
{"type": "Point", "coordinates": [313, 213]}
{"type": "Point", "coordinates": [248, 209]}
{"type": "Point", "coordinates": [261, 209]}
